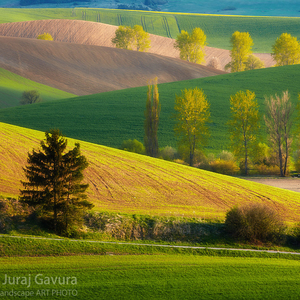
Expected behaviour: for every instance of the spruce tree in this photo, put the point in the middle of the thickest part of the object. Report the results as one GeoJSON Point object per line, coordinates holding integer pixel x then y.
{"type": "Point", "coordinates": [53, 185]}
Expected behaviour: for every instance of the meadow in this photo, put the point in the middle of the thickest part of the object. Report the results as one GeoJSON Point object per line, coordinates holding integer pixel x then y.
{"type": "Point", "coordinates": [109, 118]}
{"type": "Point", "coordinates": [154, 277]}
{"type": "Point", "coordinates": [218, 28]}
{"type": "Point", "coordinates": [12, 86]}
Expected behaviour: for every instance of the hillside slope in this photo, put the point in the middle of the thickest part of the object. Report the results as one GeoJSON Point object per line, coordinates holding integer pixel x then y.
{"type": "Point", "coordinates": [130, 183]}
{"type": "Point", "coordinates": [112, 117]}
{"type": "Point", "coordinates": [89, 69]}
{"type": "Point", "coordinates": [93, 33]}
{"type": "Point", "coordinates": [12, 86]}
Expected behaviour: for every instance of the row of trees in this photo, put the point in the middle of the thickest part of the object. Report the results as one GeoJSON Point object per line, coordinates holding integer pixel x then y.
{"type": "Point", "coordinates": [192, 114]}
{"type": "Point", "coordinates": [285, 51]}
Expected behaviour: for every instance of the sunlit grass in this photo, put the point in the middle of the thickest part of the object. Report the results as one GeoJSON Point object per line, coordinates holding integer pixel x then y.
{"type": "Point", "coordinates": [218, 28]}
{"type": "Point", "coordinates": [130, 183]}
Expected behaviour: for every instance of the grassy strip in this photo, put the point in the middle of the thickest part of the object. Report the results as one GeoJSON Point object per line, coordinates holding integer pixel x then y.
{"type": "Point", "coordinates": [12, 86]}
{"type": "Point", "coordinates": [109, 118]}
{"type": "Point", "coordinates": [35, 246]}
{"type": "Point", "coordinates": [218, 28]}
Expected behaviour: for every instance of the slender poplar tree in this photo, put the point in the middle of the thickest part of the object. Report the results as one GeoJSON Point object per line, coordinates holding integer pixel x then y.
{"type": "Point", "coordinates": [152, 119]}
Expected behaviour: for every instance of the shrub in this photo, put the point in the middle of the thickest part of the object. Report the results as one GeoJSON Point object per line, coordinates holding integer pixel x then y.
{"type": "Point", "coordinates": [30, 97]}
{"type": "Point", "coordinates": [263, 169]}
{"type": "Point", "coordinates": [255, 223]}
{"type": "Point", "coordinates": [45, 36]}
{"type": "Point", "coordinates": [215, 63]}
{"type": "Point", "coordinates": [226, 155]}
{"type": "Point", "coordinates": [133, 146]}
{"type": "Point", "coordinates": [168, 153]}
{"type": "Point", "coordinates": [227, 167]}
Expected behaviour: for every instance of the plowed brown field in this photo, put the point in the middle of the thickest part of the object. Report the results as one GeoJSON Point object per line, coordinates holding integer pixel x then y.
{"type": "Point", "coordinates": [92, 33]}
{"type": "Point", "coordinates": [74, 64]}
{"type": "Point", "coordinates": [87, 69]}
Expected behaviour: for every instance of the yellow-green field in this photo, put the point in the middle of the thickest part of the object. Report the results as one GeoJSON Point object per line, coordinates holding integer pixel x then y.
{"type": "Point", "coordinates": [130, 183]}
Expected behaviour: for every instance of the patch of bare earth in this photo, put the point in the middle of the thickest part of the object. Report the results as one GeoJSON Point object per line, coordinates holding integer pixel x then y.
{"type": "Point", "coordinates": [92, 33]}
{"type": "Point", "coordinates": [76, 63]}
{"type": "Point", "coordinates": [72, 63]}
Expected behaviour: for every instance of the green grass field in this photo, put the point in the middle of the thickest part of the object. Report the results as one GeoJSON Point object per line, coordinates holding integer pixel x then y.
{"type": "Point", "coordinates": [152, 277]}
{"type": "Point", "coordinates": [109, 118]}
{"type": "Point", "coordinates": [218, 28]}
{"type": "Point", "coordinates": [12, 86]}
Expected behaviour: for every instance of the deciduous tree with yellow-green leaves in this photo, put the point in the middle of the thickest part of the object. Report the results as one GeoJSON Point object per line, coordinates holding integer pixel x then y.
{"type": "Point", "coordinates": [241, 49]}
{"type": "Point", "coordinates": [286, 50]}
{"type": "Point", "coordinates": [191, 46]}
{"type": "Point", "coordinates": [152, 119]}
{"type": "Point", "coordinates": [130, 38]}
{"type": "Point", "coordinates": [244, 125]}
{"type": "Point", "coordinates": [192, 114]}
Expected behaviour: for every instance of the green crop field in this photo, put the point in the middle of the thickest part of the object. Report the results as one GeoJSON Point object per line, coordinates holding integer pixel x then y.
{"type": "Point", "coordinates": [109, 118]}
{"type": "Point", "coordinates": [12, 86]}
{"type": "Point", "coordinates": [218, 28]}
{"type": "Point", "coordinates": [150, 277]}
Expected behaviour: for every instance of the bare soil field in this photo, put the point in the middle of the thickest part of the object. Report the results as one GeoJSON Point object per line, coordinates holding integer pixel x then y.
{"type": "Point", "coordinates": [88, 69]}
{"type": "Point", "coordinates": [292, 184]}
{"type": "Point", "coordinates": [92, 33]}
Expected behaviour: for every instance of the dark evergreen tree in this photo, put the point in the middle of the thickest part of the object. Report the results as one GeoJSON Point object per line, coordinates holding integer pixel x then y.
{"type": "Point", "coordinates": [152, 120]}
{"type": "Point", "coordinates": [54, 185]}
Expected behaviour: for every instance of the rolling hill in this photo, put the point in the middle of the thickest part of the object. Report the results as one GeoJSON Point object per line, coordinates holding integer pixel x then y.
{"type": "Point", "coordinates": [87, 69]}
{"type": "Point", "coordinates": [12, 86]}
{"type": "Point", "coordinates": [94, 33]}
{"type": "Point", "coordinates": [109, 118]}
{"type": "Point", "coordinates": [130, 183]}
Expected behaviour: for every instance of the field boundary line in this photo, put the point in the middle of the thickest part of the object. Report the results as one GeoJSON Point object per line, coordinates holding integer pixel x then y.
{"type": "Point", "coordinates": [151, 245]}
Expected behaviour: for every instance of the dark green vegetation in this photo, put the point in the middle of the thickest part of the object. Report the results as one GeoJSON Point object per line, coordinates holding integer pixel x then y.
{"type": "Point", "coordinates": [53, 184]}
{"type": "Point", "coordinates": [218, 29]}
{"type": "Point", "coordinates": [12, 86]}
{"type": "Point", "coordinates": [110, 118]}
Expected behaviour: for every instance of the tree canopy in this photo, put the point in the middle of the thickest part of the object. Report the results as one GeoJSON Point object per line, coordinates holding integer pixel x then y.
{"type": "Point", "coordinates": [241, 48]}
{"type": "Point", "coordinates": [278, 119]}
{"type": "Point", "coordinates": [244, 125]}
{"type": "Point", "coordinates": [191, 46]}
{"type": "Point", "coordinates": [53, 185]}
{"type": "Point", "coordinates": [30, 97]}
{"type": "Point", "coordinates": [286, 50]}
{"type": "Point", "coordinates": [192, 114]}
{"type": "Point", "coordinates": [130, 38]}
{"type": "Point", "coordinates": [152, 119]}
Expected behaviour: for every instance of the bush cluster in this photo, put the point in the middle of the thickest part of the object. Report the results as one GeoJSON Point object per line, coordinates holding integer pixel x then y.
{"type": "Point", "coordinates": [255, 222]}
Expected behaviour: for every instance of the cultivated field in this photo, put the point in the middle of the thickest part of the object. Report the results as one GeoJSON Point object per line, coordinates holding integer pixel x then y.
{"type": "Point", "coordinates": [218, 28]}
{"type": "Point", "coordinates": [130, 183]}
{"type": "Point", "coordinates": [88, 69]}
{"type": "Point", "coordinates": [99, 34]}
{"type": "Point", "coordinates": [110, 118]}
{"type": "Point", "coordinates": [12, 86]}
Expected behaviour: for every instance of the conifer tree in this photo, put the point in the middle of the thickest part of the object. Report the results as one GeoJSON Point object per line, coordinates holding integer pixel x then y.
{"type": "Point", "coordinates": [53, 185]}
{"type": "Point", "coordinates": [152, 120]}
